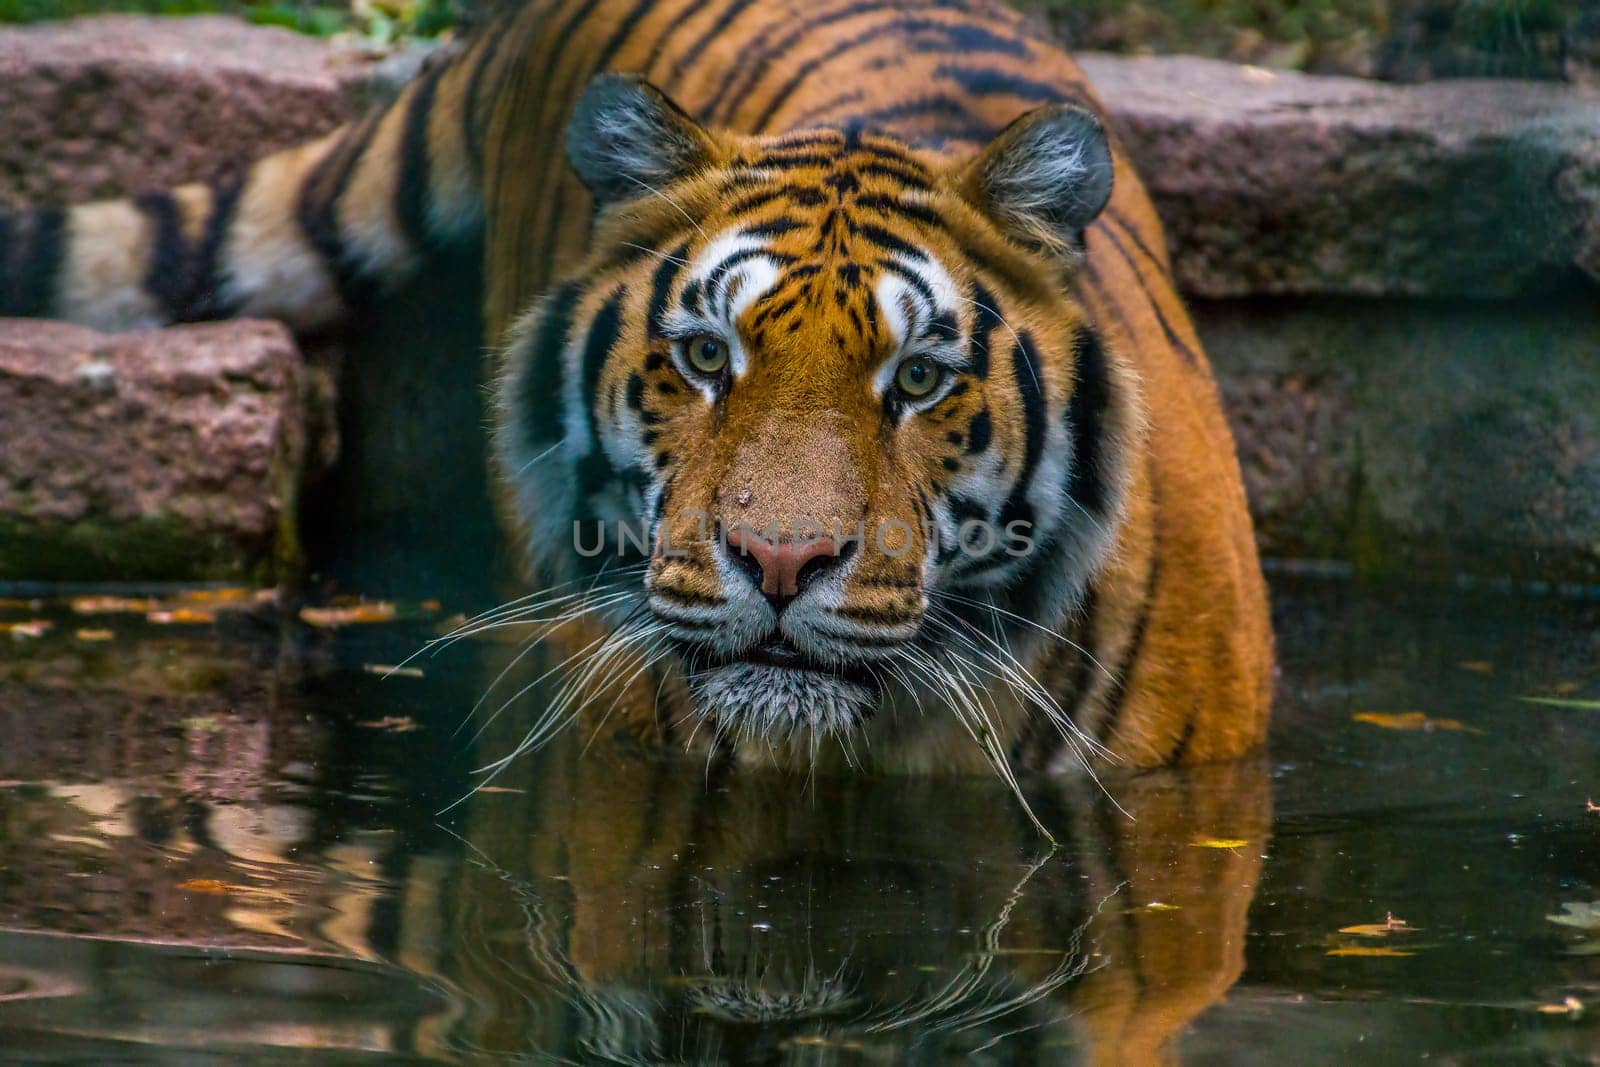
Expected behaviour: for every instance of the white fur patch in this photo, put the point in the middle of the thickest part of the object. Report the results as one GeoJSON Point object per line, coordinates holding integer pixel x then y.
{"type": "Point", "coordinates": [102, 284]}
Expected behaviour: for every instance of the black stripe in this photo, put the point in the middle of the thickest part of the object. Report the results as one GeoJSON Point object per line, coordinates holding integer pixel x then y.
{"type": "Point", "coordinates": [661, 288]}
{"type": "Point", "coordinates": [685, 13]}
{"type": "Point", "coordinates": [692, 54]}
{"type": "Point", "coordinates": [603, 333]}
{"type": "Point", "coordinates": [989, 81]}
{"type": "Point", "coordinates": [412, 192]}
{"type": "Point", "coordinates": [776, 227]}
{"type": "Point", "coordinates": [755, 200]}
{"type": "Point", "coordinates": [318, 209]}
{"type": "Point", "coordinates": [894, 205]}
{"type": "Point", "coordinates": [1130, 658]}
{"type": "Point", "coordinates": [541, 382]}
{"type": "Point", "coordinates": [1091, 397]}
{"type": "Point", "coordinates": [966, 38]}
{"type": "Point", "coordinates": [167, 273]}
{"type": "Point", "coordinates": [756, 59]}
{"type": "Point", "coordinates": [776, 101]}
{"type": "Point", "coordinates": [887, 241]}
{"type": "Point", "coordinates": [1025, 368]}
{"type": "Point", "coordinates": [1183, 348]}
{"type": "Point", "coordinates": [206, 300]}
{"type": "Point", "coordinates": [913, 279]}
{"type": "Point", "coordinates": [987, 321]}
{"type": "Point", "coordinates": [1138, 241]}
{"type": "Point", "coordinates": [954, 119]}
{"type": "Point", "coordinates": [979, 81]}
{"type": "Point", "coordinates": [38, 260]}
{"type": "Point", "coordinates": [472, 127]}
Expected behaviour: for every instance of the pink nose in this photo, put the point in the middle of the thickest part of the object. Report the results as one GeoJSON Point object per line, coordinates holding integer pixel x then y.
{"type": "Point", "coordinates": [780, 561]}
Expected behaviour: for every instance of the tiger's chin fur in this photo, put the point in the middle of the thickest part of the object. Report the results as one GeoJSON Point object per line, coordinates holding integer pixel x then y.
{"type": "Point", "coordinates": [760, 275]}
{"type": "Point", "coordinates": [780, 705]}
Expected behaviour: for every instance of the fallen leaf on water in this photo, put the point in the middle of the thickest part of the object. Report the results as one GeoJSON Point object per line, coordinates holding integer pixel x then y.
{"type": "Point", "coordinates": [386, 669]}
{"type": "Point", "coordinates": [180, 617]}
{"type": "Point", "coordinates": [1477, 666]}
{"type": "Point", "coordinates": [1369, 950]}
{"type": "Point", "coordinates": [431, 605]}
{"type": "Point", "coordinates": [1569, 1006]}
{"type": "Point", "coordinates": [497, 789]}
{"type": "Point", "coordinates": [374, 611]}
{"type": "Point", "coordinates": [1390, 925]}
{"type": "Point", "coordinates": [206, 885]}
{"type": "Point", "coordinates": [28, 628]}
{"type": "Point", "coordinates": [1411, 720]}
{"type": "Point", "coordinates": [402, 724]}
{"type": "Point", "coordinates": [93, 635]}
{"type": "Point", "coordinates": [1158, 905]}
{"type": "Point", "coordinates": [1563, 702]}
{"type": "Point", "coordinates": [218, 596]}
{"type": "Point", "coordinates": [114, 605]}
{"type": "Point", "coordinates": [1219, 842]}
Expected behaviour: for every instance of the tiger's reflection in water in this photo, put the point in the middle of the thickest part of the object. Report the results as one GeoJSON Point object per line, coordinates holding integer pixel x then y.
{"type": "Point", "coordinates": [616, 905]}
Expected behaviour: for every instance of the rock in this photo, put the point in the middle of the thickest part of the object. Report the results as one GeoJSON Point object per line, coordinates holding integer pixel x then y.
{"type": "Point", "coordinates": [1274, 182]}
{"type": "Point", "coordinates": [1417, 439]}
{"type": "Point", "coordinates": [174, 454]}
{"type": "Point", "coordinates": [113, 104]}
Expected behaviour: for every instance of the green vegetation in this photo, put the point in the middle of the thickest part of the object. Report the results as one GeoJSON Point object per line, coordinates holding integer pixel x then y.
{"type": "Point", "coordinates": [1404, 40]}
{"type": "Point", "coordinates": [374, 22]}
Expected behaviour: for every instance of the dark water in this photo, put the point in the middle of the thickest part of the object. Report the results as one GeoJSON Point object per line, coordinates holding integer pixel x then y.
{"type": "Point", "coordinates": [223, 842]}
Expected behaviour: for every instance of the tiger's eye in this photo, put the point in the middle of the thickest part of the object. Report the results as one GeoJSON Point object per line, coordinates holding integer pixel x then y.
{"type": "Point", "coordinates": [917, 377]}
{"type": "Point", "coordinates": [707, 354]}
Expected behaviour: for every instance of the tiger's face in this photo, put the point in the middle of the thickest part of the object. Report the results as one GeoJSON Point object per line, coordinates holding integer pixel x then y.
{"type": "Point", "coordinates": [812, 396]}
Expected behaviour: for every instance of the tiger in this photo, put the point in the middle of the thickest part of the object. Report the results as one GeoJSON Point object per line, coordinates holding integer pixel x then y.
{"type": "Point", "coordinates": [842, 400]}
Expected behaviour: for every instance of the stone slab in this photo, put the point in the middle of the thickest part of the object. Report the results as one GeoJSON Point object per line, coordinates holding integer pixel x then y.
{"type": "Point", "coordinates": [174, 454]}
{"type": "Point", "coordinates": [1276, 182]}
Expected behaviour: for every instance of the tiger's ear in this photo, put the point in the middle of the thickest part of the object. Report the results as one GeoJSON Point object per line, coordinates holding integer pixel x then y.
{"type": "Point", "coordinates": [625, 138]}
{"type": "Point", "coordinates": [1043, 178]}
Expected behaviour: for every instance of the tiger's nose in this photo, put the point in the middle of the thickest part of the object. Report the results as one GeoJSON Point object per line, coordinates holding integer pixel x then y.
{"type": "Point", "coordinates": [782, 564]}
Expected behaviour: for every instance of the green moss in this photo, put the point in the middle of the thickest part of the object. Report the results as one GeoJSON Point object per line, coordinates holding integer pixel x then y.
{"type": "Point", "coordinates": [159, 549]}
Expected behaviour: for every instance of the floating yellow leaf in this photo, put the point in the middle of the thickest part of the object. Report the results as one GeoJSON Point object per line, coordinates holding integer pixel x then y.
{"type": "Point", "coordinates": [1410, 720]}
{"type": "Point", "coordinates": [431, 605]}
{"type": "Point", "coordinates": [402, 724]}
{"type": "Point", "coordinates": [375, 611]}
{"type": "Point", "coordinates": [1369, 950]}
{"type": "Point", "coordinates": [1219, 842]}
{"type": "Point", "coordinates": [206, 885]}
{"type": "Point", "coordinates": [386, 670]}
{"type": "Point", "coordinates": [219, 596]}
{"type": "Point", "coordinates": [114, 605]}
{"type": "Point", "coordinates": [180, 617]}
{"type": "Point", "coordinates": [1569, 1006]}
{"type": "Point", "coordinates": [1158, 905]}
{"type": "Point", "coordinates": [27, 628]}
{"type": "Point", "coordinates": [93, 635]}
{"type": "Point", "coordinates": [1477, 666]}
{"type": "Point", "coordinates": [1390, 925]}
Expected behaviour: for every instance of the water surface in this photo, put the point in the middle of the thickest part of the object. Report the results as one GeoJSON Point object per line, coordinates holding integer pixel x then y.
{"type": "Point", "coordinates": [236, 839]}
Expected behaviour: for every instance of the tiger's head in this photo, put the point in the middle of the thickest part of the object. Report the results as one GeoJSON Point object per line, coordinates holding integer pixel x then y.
{"type": "Point", "coordinates": [820, 392]}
